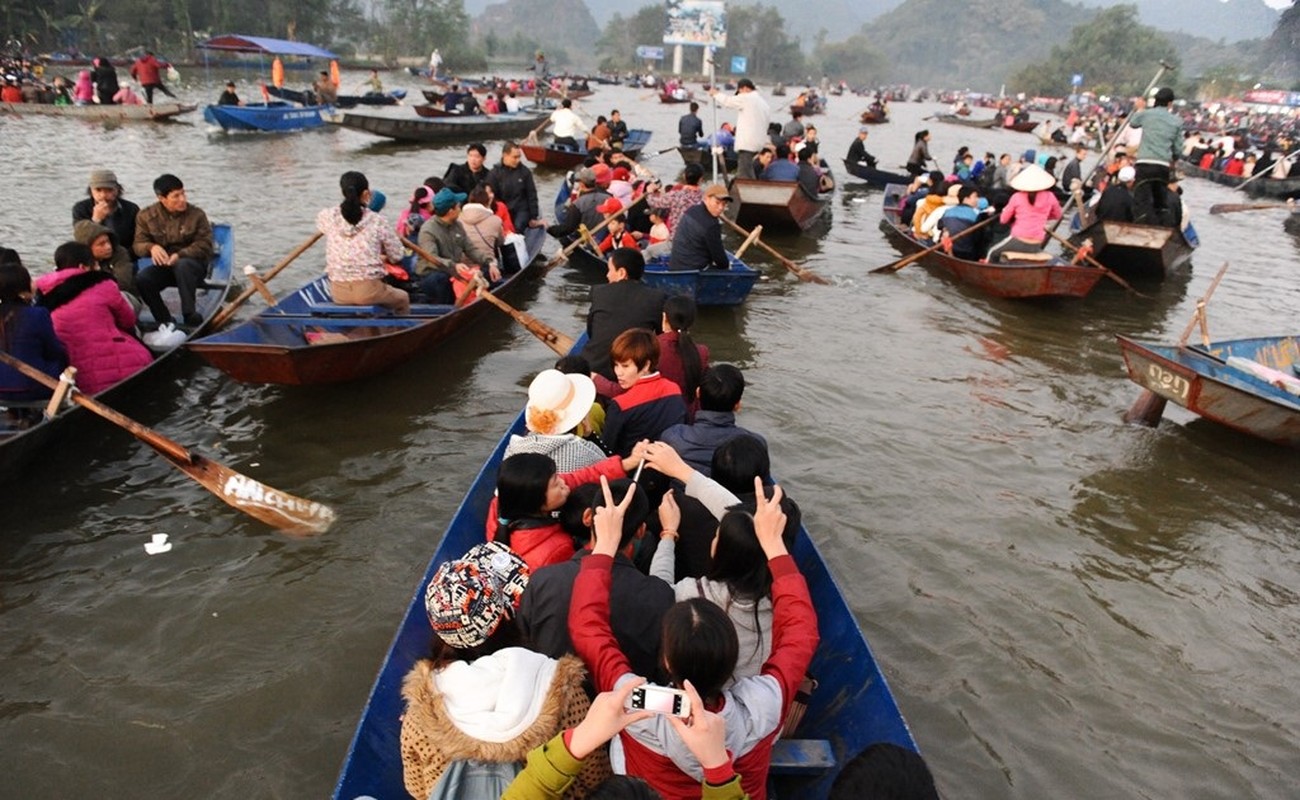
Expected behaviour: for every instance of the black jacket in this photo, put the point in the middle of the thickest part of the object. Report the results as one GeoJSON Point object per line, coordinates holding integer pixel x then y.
{"type": "Point", "coordinates": [616, 307]}
{"type": "Point", "coordinates": [516, 189]}
{"type": "Point", "coordinates": [697, 242]}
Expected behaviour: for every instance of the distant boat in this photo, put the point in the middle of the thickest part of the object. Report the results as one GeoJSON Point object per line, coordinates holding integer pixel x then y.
{"type": "Point", "coordinates": [1266, 186]}
{"type": "Point", "coordinates": [776, 204]}
{"type": "Point", "coordinates": [561, 157]}
{"type": "Point", "coordinates": [875, 177]}
{"type": "Point", "coordinates": [157, 112]}
{"type": "Point", "coordinates": [443, 129]}
{"type": "Point", "coordinates": [391, 98]}
{"type": "Point", "coordinates": [274, 117]}
{"type": "Point", "coordinates": [969, 123]}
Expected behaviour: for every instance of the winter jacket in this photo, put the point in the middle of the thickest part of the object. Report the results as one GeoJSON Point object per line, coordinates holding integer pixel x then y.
{"type": "Point", "coordinates": [120, 264]}
{"type": "Point", "coordinates": [27, 334]}
{"type": "Point", "coordinates": [94, 322]}
{"type": "Point", "coordinates": [644, 411]}
{"type": "Point", "coordinates": [483, 231]}
{"type": "Point", "coordinates": [496, 708]}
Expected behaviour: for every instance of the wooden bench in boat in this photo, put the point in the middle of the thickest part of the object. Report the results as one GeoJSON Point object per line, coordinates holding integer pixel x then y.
{"type": "Point", "coordinates": [801, 757]}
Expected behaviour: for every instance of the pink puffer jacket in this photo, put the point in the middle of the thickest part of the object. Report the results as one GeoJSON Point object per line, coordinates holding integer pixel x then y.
{"type": "Point", "coordinates": [94, 326]}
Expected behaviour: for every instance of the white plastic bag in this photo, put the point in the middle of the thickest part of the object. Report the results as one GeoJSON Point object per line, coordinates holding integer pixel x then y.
{"type": "Point", "coordinates": [165, 338]}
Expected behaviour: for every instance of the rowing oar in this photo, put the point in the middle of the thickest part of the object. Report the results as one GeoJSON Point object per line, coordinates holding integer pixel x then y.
{"type": "Point", "coordinates": [1230, 208]}
{"type": "Point", "coordinates": [803, 273]}
{"type": "Point", "coordinates": [1114, 139]}
{"type": "Point", "coordinates": [1264, 172]}
{"type": "Point", "coordinates": [1149, 406]}
{"type": "Point", "coordinates": [563, 255]}
{"type": "Point", "coordinates": [228, 311]}
{"type": "Point", "coordinates": [895, 266]}
{"type": "Point", "coordinates": [278, 509]}
{"type": "Point", "coordinates": [1110, 273]}
{"type": "Point", "coordinates": [550, 337]}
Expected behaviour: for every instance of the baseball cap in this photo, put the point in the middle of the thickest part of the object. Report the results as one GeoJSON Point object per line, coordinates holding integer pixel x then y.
{"type": "Point", "coordinates": [719, 191]}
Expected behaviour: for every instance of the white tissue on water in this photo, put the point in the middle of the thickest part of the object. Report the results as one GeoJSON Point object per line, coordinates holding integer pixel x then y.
{"type": "Point", "coordinates": [158, 544]}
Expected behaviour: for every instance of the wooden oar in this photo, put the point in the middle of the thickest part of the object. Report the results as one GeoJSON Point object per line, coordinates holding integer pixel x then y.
{"type": "Point", "coordinates": [278, 509]}
{"type": "Point", "coordinates": [224, 315]}
{"type": "Point", "coordinates": [1231, 208]}
{"type": "Point", "coordinates": [803, 273]}
{"type": "Point", "coordinates": [1110, 273]}
{"type": "Point", "coordinates": [1285, 158]}
{"type": "Point", "coordinates": [550, 337]}
{"type": "Point", "coordinates": [895, 266]}
{"type": "Point", "coordinates": [1149, 406]}
{"type": "Point", "coordinates": [563, 255]}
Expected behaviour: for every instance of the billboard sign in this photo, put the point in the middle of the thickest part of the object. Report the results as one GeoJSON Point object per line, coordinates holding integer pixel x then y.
{"type": "Point", "coordinates": [702, 22]}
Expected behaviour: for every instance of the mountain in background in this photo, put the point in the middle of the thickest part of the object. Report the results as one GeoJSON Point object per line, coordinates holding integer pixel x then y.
{"type": "Point", "coordinates": [1231, 21]}
{"type": "Point", "coordinates": [553, 23]}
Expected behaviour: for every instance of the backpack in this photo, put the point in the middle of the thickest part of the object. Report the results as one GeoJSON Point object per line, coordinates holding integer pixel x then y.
{"type": "Point", "coordinates": [471, 779]}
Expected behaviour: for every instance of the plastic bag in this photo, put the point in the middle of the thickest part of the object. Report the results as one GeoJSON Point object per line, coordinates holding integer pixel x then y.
{"type": "Point", "coordinates": [165, 338]}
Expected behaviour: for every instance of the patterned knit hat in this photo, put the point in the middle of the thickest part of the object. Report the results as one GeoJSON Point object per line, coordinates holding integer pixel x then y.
{"type": "Point", "coordinates": [469, 596]}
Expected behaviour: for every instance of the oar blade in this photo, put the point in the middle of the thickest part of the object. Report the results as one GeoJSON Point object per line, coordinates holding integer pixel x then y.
{"type": "Point", "coordinates": [281, 510]}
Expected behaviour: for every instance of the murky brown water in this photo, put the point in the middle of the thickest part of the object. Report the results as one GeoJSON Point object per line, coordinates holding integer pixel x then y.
{"type": "Point", "coordinates": [1065, 606]}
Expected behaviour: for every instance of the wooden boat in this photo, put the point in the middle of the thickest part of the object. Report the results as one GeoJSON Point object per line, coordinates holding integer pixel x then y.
{"type": "Point", "coordinates": [875, 177]}
{"type": "Point", "coordinates": [1230, 382]}
{"type": "Point", "coordinates": [1135, 250]}
{"type": "Point", "coordinates": [277, 116]}
{"type": "Point", "coordinates": [343, 101]}
{"type": "Point", "coordinates": [707, 287]}
{"type": "Point", "coordinates": [445, 129]}
{"type": "Point", "coordinates": [666, 96]}
{"type": "Point", "coordinates": [307, 339]}
{"type": "Point", "coordinates": [1021, 127]}
{"type": "Point", "coordinates": [969, 123]}
{"type": "Point", "coordinates": [158, 112]}
{"type": "Point", "coordinates": [1052, 279]}
{"type": "Point", "coordinates": [18, 447]}
{"type": "Point", "coordinates": [775, 204]}
{"type": "Point", "coordinates": [851, 708]}
{"type": "Point", "coordinates": [561, 157]}
{"type": "Point", "coordinates": [1281, 188]}
{"type": "Point", "coordinates": [695, 155]}
{"type": "Point", "coordinates": [874, 117]}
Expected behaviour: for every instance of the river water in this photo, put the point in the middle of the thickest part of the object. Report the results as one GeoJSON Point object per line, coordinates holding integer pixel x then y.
{"type": "Point", "coordinates": [1064, 605]}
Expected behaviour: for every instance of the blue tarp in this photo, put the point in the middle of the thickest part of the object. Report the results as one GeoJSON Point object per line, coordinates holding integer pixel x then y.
{"type": "Point", "coordinates": [234, 43]}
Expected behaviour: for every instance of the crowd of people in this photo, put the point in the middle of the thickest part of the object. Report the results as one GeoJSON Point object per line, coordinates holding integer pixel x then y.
{"type": "Point", "coordinates": [25, 81]}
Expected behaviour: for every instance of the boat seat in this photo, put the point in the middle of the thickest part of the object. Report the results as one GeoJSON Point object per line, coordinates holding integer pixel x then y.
{"type": "Point", "coordinates": [801, 757]}
{"type": "Point", "coordinates": [320, 309]}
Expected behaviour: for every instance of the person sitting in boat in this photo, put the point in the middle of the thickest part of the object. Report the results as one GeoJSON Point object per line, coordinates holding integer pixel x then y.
{"type": "Point", "coordinates": [931, 207]}
{"type": "Point", "coordinates": [958, 218]}
{"type": "Point", "coordinates": [724, 137]}
{"type": "Point", "coordinates": [126, 97]}
{"type": "Point", "coordinates": [700, 646]}
{"type": "Point", "coordinates": [11, 92]}
{"type": "Point", "coordinates": [858, 150]}
{"type": "Point", "coordinates": [358, 242]}
{"type": "Point", "coordinates": [444, 238]}
{"type": "Point", "coordinates": [808, 176]}
{"type": "Point", "coordinates": [83, 93]}
{"type": "Point", "coordinates": [373, 85]}
{"type": "Point", "coordinates": [464, 177]}
{"type": "Point", "coordinates": [916, 191]}
{"type": "Point", "coordinates": [326, 92]}
{"type": "Point", "coordinates": [1116, 202]}
{"type": "Point", "coordinates": [104, 76]}
{"type": "Point", "coordinates": [566, 125]}
{"type": "Point", "coordinates": [178, 237]}
{"type": "Point", "coordinates": [512, 183]}
{"type": "Point", "coordinates": [721, 388]}
{"type": "Point", "coordinates": [680, 198]}
{"type": "Point", "coordinates": [794, 128]}
{"type": "Point", "coordinates": [558, 404]}
{"type": "Point", "coordinates": [110, 257]}
{"type": "Point", "coordinates": [530, 489]}
{"type": "Point", "coordinates": [581, 209]}
{"type": "Point", "coordinates": [416, 213]}
{"type": "Point", "coordinates": [782, 167]}
{"type": "Point", "coordinates": [598, 138]}
{"type": "Point", "coordinates": [105, 205]}
{"type": "Point", "coordinates": [26, 333]}
{"type": "Point", "coordinates": [92, 319]}
{"type": "Point", "coordinates": [622, 303]}
{"type": "Point", "coordinates": [229, 97]}
{"type": "Point", "coordinates": [617, 234]}
{"type": "Point", "coordinates": [491, 105]}
{"type": "Point", "coordinates": [469, 105]}
{"type": "Point", "coordinates": [659, 233]}
{"type": "Point", "coordinates": [1235, 166]}
{"type": "Point", "coordinates": [649, 403]}
{"type": "Point", "coordinates": [62, 96]}
{"type": "Point", "coordinates": [884, 769]}
{"type": "Point", "coordinates": [638, 601]}
{"type": "Point", "coordinates": [1073, 170]}
{"type": "Point", "coordinates": [618, 131]}
{"type": "Point", "coordinates": [697, 239]}
{"type": "Point", "coordinates": [510, 103]}
{"type": "Point", "coordinates": [482, 697]}
{"type": "Point", "coordinates": [1028, 212]}
{"type": "Point", "coordinates": [689, 127]}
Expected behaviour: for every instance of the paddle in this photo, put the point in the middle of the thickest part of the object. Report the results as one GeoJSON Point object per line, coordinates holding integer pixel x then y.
{"type": "Point", "coordinates": [1149, 406]}
{"type": "Point", "coordinates": [278, 509]}
{"type": "Point", "coordinates": [803, 273]}
{"type": "Point", "coordinates": [563, 255]}
{"type": "Point", "coordinates": [1230, 208]}
{"type": "Point", "coordinates": [895, 266]}
{"type": "Point", "coordinates": [549, 336]}
{"type": "Point", "coordinates": [228, 310]}
{"type": "Point", "coordinates": [1113, 139]}
{"type": "Point", "coordinates": [1110, 273]}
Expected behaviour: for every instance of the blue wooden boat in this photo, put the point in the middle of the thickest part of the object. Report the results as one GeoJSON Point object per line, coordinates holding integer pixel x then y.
{"type": "Point", "coordinates": [1250, 385]}
{"type": "Point", "coordinates": [851, 708]}
{"type": "Point", "coordinates": [562, 157]}
{"type": "Point", "coordinates": [276, 117]}
{"type": "Point", "coordinates": [308, 339]}
{"type": "Point", "coordinates": [707, 287]}
{"type": "Point", "coordinates": [19, 447]}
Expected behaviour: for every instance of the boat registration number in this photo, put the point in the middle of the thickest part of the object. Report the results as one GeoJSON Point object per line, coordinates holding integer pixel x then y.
{"type": "Point", "coordinates": [1167, 383]}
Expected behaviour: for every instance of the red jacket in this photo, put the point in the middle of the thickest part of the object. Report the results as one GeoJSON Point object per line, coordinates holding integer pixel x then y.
{"type": "Point", "coordinates": [550, 544]}
{"type": "Point", "coordinates": [146, 70]}
{"type": "Point", "coordinates": [794, 640]}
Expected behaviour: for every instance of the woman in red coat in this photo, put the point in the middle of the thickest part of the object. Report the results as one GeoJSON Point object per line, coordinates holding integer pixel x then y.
{"type": "Point", "coordinates": [92, 319]}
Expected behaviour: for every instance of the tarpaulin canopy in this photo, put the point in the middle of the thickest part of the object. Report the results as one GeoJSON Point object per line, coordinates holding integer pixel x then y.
{"type": "Point", "coordinates": [234, 43]}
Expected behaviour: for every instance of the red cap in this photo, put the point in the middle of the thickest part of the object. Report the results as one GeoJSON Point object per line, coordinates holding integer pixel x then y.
{"type": "Point", "coordinates": [622, 174]}
{"type": "Point", "coordinates": [610, 206]}
{"type": "Point", "coordinates": [603, 174]}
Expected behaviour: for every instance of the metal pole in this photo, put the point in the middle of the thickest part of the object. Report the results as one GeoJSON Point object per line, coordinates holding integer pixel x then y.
{"type": "Point", "coordinates": [713, 82]}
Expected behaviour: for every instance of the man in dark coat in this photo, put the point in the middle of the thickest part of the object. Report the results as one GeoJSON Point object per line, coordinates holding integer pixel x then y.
{"type": "Point", "coordinates": [1116, 203]}
{"type": "Point", "coordinates": [697, 240]}
{"type": "Point", "coordinates": [465, 177]}
{"type": "Point", "coordinates": [512, 183]}
{"type": "Point", "coordinates": [625, 302]}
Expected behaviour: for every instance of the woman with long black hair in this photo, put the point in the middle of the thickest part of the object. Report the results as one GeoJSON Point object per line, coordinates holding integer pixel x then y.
{"type": "Point", "coordinates": [357, 243]}
{"type": "Point", "coordinates": [26, 333]}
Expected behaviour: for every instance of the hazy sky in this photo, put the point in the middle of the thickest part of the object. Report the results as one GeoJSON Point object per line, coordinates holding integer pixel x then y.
{"type": "Point", "coordinates": [1279, 3]}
